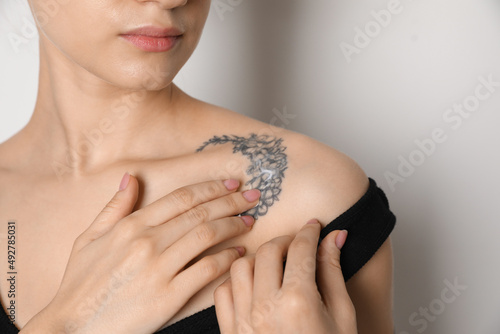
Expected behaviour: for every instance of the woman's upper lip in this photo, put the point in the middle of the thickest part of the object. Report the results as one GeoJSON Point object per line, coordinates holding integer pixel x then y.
{"type": "Point", "coordinates": [154, 31]}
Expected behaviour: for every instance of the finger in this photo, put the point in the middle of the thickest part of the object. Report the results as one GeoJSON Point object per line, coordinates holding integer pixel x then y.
{"type": "Point", "coordinates": [184, 199]}
{"type": "Point", "coordinates": [301, 257]}
{"type": "Point", "coordinates": [225, 206]}
{"type": "Point", "coordinates": [330, 279]}
{"type": "Point", "coordinates": [204, 271]}
{"type": "Point", "coordinates": [175, 257]}
{"type": "Point", "coordinates": [269, 267]}
{"type": "Point", "coordinates": [242, 280]}
{"type": "Point", "coordinates": [117, 208]}
{"type": "Point", "coordinates": [224, 307]}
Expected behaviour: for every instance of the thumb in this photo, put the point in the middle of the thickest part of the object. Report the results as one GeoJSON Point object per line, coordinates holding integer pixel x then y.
{"type": "Point", "coordinates": [120, 206]}
{"type": "Point", "coordinates": [329, 275]}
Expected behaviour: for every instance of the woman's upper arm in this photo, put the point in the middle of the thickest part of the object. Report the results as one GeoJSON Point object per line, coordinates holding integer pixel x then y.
{"type": "Point", "coordinates": [323, 183]}
{"type": "Point", "coordinates": [371, 292]}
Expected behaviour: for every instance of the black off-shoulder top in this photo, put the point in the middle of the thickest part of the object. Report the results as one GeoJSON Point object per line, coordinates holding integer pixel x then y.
{"type": "Point", "coordinates": [369, 223]}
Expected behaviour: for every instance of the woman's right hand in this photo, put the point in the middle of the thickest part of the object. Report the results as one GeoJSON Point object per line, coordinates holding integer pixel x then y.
{"type": "Point", "coordinates": [132, 272]}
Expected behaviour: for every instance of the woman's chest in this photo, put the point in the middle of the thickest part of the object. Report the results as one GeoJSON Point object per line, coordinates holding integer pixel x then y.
{"type": "Point", "coordinates": [47, 217]}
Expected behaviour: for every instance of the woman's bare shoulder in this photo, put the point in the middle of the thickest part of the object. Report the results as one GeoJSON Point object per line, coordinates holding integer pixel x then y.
{"type": "Point", "coordinates": [299, 176]}
{"type": "Point", "coordinates": [15, 152]}
{"type": "Point", "coordinates": [322, 179]}
{"type": "Point", "coordinates": [10, 177]}
{"type": "Point", "coordinates": [10, 155]}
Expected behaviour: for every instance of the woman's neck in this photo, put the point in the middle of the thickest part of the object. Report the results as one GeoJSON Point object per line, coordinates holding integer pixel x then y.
{"type": "Point", "coordinates": [84, 123]}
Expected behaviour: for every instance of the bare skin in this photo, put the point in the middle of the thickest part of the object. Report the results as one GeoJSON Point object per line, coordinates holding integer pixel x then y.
{"type": "Point", "coordinates": [151, 129]}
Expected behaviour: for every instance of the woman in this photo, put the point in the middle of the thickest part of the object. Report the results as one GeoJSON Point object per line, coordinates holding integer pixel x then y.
{"type": "Point", "coordinates": [107, 105]}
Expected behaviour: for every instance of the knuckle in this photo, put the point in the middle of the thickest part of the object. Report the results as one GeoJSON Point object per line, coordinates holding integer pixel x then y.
{"type": "Point", "coordinates": [183, 197]}
{"type": "Point", "coordinates": [235, 226]}
{"type": "Point", "coordinates": [206, 233]}
{"type": "Point", "coordinates": [334, 264]}
{"type": "Point", "coordinates": [212, 190]}
{"type": "Point", "coordinates": [141, 247]}
{"type": "Point", "coordinates": [240, 266]}
{"type": "Point", "coordinates": [296, 302]}
{"type": "Point", "coordinates": [350, 312]}
{"type": "Point", "coordinates": [198, 214]}
{"type": "Point", "coordinates": [269, 248]}
{"type": "Point", "coordinates": [325, 251]}
{"type": "Point", "coordinates": [112, 205]}
{"type": "Point", "coordinates": [347, 313]}
{"type": "Point", "coordinates": [301, 243]}
{"type": "Point", "coordinates": [231, 203]}
{"type": "Point", "coordinates": [220, 291]}
{"type": "Point", "coordinates": [209, 267]}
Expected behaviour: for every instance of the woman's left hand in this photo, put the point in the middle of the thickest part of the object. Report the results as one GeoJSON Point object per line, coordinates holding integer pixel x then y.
{"type": "Point", "coordinates": [262, 298]}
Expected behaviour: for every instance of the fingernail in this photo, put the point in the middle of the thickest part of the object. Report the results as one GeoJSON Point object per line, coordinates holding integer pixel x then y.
{"type": "Point", "coordinates": [340, 239]}
{"type": "Point", "coordinates": [124, 182]}
{"type": "Point", "coordinates": [248, 220]}
{"type": "Point", "coordinates": [231, 184]}
{"type": "Point", "coordinates": [240, 250]}
{"type": "Point", "coordinates": [313, 221]}
{"type": "Point", "coordinates": [251, 195]}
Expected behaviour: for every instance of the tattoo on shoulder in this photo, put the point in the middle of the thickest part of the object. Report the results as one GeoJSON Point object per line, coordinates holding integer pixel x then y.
{"type": "Point", "coordinates": [267, 169]}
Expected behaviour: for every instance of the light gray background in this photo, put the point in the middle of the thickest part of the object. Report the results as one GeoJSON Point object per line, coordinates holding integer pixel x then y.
{"type": "Point", "coordinates": [263, 56]}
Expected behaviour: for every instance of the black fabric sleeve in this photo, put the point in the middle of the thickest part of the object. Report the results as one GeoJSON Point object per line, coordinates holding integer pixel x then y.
{"type": "Point", "coordinates": [369, 223]}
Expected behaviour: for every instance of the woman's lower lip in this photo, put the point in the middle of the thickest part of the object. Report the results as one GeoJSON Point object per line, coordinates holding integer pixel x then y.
{"type": "Point", "coordinates": [152, 44]}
